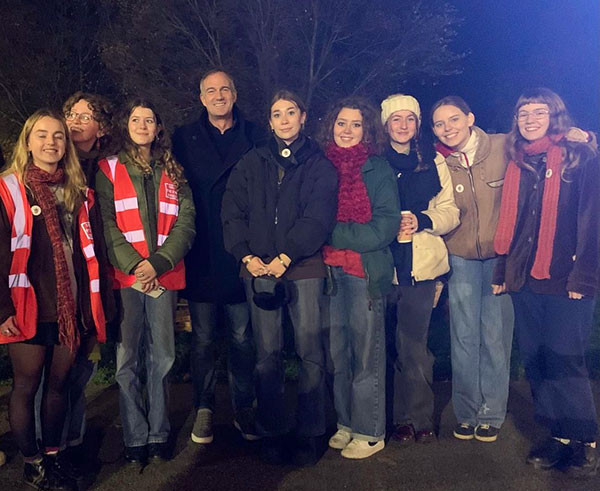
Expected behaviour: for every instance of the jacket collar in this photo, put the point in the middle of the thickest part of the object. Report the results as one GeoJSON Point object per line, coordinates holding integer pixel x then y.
{"type": "Point", "coordinates": [483, 150]}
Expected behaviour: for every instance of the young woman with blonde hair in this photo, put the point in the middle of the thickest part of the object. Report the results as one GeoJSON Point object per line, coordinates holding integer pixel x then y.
{"type": "Point", "coordinates": [50, 294]}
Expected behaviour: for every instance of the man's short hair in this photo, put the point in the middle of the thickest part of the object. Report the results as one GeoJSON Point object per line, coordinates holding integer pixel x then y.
{"type": "Point", "coordinates": [212, 71]}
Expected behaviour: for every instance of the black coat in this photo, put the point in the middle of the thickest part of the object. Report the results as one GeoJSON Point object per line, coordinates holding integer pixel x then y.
{"type": "Point", "coordinates": [265, 217]}
{"type": "Point", "coordinates": [212, 274]}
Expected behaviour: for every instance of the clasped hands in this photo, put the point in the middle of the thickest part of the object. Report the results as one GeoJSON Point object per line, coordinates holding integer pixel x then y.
{"type": "Point", "coordinates": [276, 268]}
{"type": "Point", "coordinates": [146, 274]}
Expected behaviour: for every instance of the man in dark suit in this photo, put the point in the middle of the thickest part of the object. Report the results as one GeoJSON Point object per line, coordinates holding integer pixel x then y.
{"type": "Point", "coordinates": [208, 149]}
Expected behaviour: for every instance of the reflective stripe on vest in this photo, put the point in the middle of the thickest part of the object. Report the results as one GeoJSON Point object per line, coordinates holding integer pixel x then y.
{"type": "Point", "coordinates": [14, 198]}
{"type": "Point", "coordinates": [129, 220]}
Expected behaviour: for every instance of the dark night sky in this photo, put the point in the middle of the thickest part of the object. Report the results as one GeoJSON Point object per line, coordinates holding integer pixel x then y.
{"type": "Point", "coordinates": [516, 44]}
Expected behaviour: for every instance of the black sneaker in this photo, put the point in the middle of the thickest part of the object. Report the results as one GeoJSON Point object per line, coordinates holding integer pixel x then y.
{"type": "Point", "coordinates": [41, 475]}
{"type": "Point", "coordinates": [464, 431]}
{"type": "Point", "coordinates": [486, 433]}
{"type": "Point", "coordinates": [136, 455]}
{"type": "Point", "coordinates": [245, 423]}
{"type": "Point", "coordinates": [203, 431]}
{"type": "Point", "coordinates": [550, 454]}
{"type": "Point", "coordinates": [158, 452]}
{"type": "Point", "coordinates": [584, 461]}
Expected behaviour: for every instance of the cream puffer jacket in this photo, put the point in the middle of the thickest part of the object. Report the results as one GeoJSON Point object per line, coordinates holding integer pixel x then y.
{"type": "Point", "coordinates": [430, 256]}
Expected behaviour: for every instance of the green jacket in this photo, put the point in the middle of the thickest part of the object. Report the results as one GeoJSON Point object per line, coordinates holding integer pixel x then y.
{"type": "Point", "coordinates": [121, 253]}
{"type": "Point", "coordinates": [371, 239]}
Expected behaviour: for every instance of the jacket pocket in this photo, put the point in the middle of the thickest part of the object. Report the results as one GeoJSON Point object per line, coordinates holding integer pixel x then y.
{"type": "Point", "coordinates": [496, 184]}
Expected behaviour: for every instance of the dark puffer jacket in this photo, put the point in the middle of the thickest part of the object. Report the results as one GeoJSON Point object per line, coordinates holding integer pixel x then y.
{"type": "Point", "coordinates": [270, 209]}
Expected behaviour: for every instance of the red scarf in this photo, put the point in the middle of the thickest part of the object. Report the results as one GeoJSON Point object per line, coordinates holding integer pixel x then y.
{"type": "Point", "coordinates": [510, 196]}
{"type": "Point", "coordinates": [353, 202]}
{"type": "Point", "coordinates": [39, 181]}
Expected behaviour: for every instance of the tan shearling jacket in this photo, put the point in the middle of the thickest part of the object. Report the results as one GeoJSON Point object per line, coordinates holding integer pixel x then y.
{"type": "Point", "coordinates": [477, 194]}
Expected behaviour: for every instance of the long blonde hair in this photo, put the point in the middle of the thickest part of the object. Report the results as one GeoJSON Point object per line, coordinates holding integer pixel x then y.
{"type": "Point", "coordinates": [75, 185]}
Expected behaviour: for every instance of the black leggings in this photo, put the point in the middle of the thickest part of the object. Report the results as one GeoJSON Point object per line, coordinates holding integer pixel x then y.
{"type": "Point", "coordinates": [28, 362]}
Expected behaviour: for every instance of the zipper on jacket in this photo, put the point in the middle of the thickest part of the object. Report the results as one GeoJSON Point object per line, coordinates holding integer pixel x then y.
{"type": "Point", "coordinates": [472, 182]}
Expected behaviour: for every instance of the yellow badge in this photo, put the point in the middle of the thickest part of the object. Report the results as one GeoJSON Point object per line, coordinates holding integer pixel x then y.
{"type": "Point", "coordinates": [459, 188]}
{"type": "Point", "coordinates": [36, 210]}
{"type": "Point", "coordinates": [548, 173]}
{"type": "Point", "coordinates": [286, 152]}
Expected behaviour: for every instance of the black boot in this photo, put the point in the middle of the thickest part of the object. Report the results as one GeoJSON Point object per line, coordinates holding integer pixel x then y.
{"type": "Point", "coordinates": [550, 454]}
{"type": "Point", "coordinates": [584, 461]}
{"type": "Point", "coordinates": [41, 475]}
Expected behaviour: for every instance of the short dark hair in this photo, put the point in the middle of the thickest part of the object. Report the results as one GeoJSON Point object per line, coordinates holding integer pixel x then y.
{"type": "Point", "coordinates": [373, 134]}
{"type": "Point", "coordinates": [214, 70]}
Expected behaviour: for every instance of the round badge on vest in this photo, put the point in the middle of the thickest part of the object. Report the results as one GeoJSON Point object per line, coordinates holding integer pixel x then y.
{"type": "Point", "coordinates": [548, 173]}
{"type": "Point", "coordinates": [36, 210]}
{"type": "Point", "coordinates": [286, 152]}
{"type": "Point", "coordinates": [459, 188]}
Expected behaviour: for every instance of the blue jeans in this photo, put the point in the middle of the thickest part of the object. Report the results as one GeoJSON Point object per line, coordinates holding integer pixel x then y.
{"type": "Point", "coordinates": [356, 326]}
{"type": "Point", "coordinates": [553, 334]}
{"type": "Point", "coordinates": [147, 332]}
{"type": "Point", "coordinates": [481, 330]}
{"type": "Point", "coordinates": [305, 315]}
{"type": "Point", "coordinates": [240, 360]}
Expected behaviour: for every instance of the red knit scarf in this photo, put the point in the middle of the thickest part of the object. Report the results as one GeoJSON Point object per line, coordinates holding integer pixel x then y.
{"type": "Point", "coordinates": [510, 196]}
{"type": "Point", "coordinates": [353, 200]}
{"type": "Point", "coordinates": [39, 181]}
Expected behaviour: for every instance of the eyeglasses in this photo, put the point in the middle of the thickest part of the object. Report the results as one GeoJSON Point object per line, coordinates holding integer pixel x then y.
{"type": "Point", "coordinates": [85, 118]}
{"type": "Point", "coordinates": [537, 114]}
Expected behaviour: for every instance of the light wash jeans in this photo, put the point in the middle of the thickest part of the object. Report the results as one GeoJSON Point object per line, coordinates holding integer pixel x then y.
{"type": "Point", "coordinates": [147, 332]}
{"type": "Point", "coordinates": [305, 315]}
{"type": "Point", "coordinates": [356, 326]}
{"type": "Point", "coordinates": [240, 360]}
{"type": "Point", "coordinates": [481, 330]}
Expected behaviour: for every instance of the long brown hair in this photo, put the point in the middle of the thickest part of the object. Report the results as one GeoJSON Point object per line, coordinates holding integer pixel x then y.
{"type": "Point", "coordinates": [74, 185]}
{"type": "Point", "coordinates": [160, 149]}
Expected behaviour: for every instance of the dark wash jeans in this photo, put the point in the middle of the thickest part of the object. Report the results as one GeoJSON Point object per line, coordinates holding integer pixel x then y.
{"type": "Point", "coordinates": [553, 333]}
{"type": "Point", "coordinates": [240, 359]}
{"type": "Point", "coordinates": [267, 328]}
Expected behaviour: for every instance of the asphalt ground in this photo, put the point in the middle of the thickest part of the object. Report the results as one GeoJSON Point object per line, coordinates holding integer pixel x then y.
{"type": "Point", "coordinates": [230, 463]}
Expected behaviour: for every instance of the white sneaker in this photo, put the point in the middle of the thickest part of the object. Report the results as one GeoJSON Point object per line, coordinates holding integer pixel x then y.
{"type": "Point", "coordinates": [340, 439]}
{"type": "Point", "coordinates": [360, 449]}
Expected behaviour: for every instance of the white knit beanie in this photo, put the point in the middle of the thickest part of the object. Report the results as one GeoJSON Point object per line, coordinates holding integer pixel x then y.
{"type": "Point", "coordinates": [399, 102]}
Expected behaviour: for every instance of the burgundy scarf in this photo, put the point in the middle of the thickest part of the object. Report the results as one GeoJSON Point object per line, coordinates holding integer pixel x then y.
{"type": "Point", "coordinates": [353, 200]}
{"type": "Point", "coordinates": [510, 196]}
{"type": "Point", "coordinates": [39, 181]}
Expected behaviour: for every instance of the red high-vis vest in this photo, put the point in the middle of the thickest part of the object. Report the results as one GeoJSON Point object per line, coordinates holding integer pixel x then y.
{"type": "Point", "coordinates": [129, 221]}
{"type": "Point", "coordinates": [14, 198]}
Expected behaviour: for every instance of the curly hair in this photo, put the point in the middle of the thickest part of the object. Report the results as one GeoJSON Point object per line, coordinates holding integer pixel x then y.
{"type": "Point", "coordinates": [102, 111]}
{"type": "Point", "coordinates": [373, 135]}
{"type": "Point", "coordinates": [160, 149]}
{"type": "Point", "coordinates": [75, 185]}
